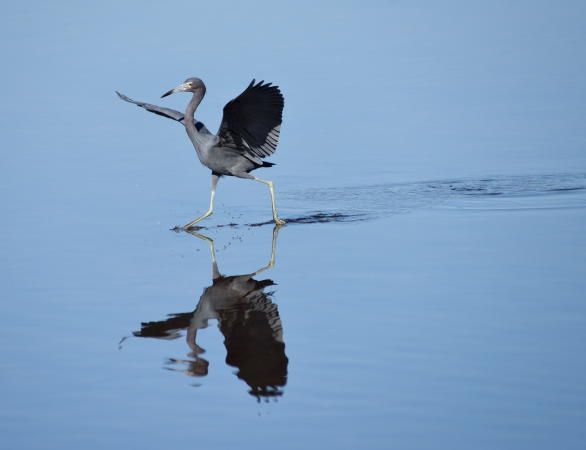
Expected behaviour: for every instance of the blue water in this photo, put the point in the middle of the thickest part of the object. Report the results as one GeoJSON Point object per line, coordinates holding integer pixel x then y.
{"type": "Point", "coordinates": [428, 291]}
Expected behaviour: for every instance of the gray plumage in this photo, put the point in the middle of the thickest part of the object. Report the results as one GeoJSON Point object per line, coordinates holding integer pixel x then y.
{"type": "Point", "coordinates": [248, 133]}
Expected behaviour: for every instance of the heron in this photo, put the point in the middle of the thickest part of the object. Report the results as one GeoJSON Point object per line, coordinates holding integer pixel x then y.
{"type": "Point", "coordinates": [248, 133]}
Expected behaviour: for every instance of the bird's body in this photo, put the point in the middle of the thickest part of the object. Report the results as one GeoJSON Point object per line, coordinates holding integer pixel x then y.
{"type": "Point", "coordinates": [249, 132]}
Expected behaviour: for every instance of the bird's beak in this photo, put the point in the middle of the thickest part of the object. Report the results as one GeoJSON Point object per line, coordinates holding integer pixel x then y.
{"type": "Point", "coordinates": [181, 88]}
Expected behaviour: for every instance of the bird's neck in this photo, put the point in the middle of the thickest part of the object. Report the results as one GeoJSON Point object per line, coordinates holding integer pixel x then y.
{"type": "Point", "coordinates": [196, 137]}
{"type": "Point", "coordinates": [194, 103]}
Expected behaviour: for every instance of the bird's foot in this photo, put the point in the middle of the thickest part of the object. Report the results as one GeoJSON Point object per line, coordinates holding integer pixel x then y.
{"type": "Point", "coordinates": [191, 227]}
{"type": "Point", "coordinates": [279, 221]}
{"type": "Point", "coordinates": [178, 228]}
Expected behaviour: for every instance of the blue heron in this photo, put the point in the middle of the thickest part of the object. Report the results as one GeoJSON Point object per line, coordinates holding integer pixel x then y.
{"type": "Point", "coordinates": [249, 132]}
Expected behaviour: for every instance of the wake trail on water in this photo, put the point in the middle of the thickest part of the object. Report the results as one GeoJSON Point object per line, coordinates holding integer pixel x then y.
{"type": "Point", "coordinates": [349, 204]}
{"type": "Point", "coordinates": [369, 202]}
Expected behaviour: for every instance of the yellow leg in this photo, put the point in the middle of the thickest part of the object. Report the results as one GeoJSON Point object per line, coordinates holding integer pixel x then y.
{"type": "Point", "coordinates": [210, 241]}
{"type": "Point", "coordinates": [272, 191]}
{"type": "Point", "coordinates": [210, 211]}
{"type": "Point", "coordinates": [271, 263]}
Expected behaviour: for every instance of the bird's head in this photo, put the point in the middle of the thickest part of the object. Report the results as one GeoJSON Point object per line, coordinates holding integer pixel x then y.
{"type": "Point", "coordinates": [189, 85]}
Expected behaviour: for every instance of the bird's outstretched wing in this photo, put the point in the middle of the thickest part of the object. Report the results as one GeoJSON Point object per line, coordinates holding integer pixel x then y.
{"type": "Point", "coordinates": [165, 112]}
{"type": "Point", "coordinates": [252, 121]}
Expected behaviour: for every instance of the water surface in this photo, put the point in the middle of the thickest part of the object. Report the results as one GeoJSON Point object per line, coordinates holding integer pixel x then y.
{"type": "Point", "coordinates": [428, 291]}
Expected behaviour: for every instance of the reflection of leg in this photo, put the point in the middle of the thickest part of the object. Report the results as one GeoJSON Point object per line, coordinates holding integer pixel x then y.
{"type": "Point", "coordinates": [271, 263]}
{"type": "Point", "coordinates": [215, 179]}
{"type": "Point", "coordinates": [215, 271]}
{"type": "Point", "coordinates": [272, 191]}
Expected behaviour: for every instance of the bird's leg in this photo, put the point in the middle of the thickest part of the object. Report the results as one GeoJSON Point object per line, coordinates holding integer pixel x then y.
{"type": "Point", "coordinates": [271, 263]}
{"type": "Point", "coordinates": [215, 179]}
{"type": "Point", "coordinates": [272, 191]}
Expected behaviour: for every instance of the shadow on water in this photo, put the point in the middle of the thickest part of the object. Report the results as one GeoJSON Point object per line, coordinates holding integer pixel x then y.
{"type": "Point", "coordinates": [318, 217]}
{"type": "Point", "coordinates": [247, 317]}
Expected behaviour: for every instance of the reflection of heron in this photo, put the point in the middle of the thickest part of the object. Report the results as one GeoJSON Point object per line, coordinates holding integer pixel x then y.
{"type": "Point", "coordinates": [248, 133]}
{"type": "Point", "coordinates": [247, 318]}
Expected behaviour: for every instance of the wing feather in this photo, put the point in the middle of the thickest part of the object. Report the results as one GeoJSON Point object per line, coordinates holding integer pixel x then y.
{"type": "Point", "coordinates": [252, 121]}
{"type": "Point", "coordinates": [165, 112]}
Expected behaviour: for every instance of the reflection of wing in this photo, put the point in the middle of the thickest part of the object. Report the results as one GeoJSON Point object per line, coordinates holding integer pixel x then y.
{"type": "Point", "coordinates": [165, 112]}
{"type": "Point", "coordinates": [262, 304]}
{"type": "Point", "coordinates": [252, 121]}
{"type": "Point", "coordinates": [165, 329]}
{"type": "Point", "coordinates": [254, 343]}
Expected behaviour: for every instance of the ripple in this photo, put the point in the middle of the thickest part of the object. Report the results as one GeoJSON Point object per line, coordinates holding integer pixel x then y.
{"type": "Point", "coordinates": [381, 200]}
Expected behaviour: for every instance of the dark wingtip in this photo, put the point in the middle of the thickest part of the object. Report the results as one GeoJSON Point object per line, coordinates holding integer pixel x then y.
{"type": "Point", "coordinates": [124, 97]}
